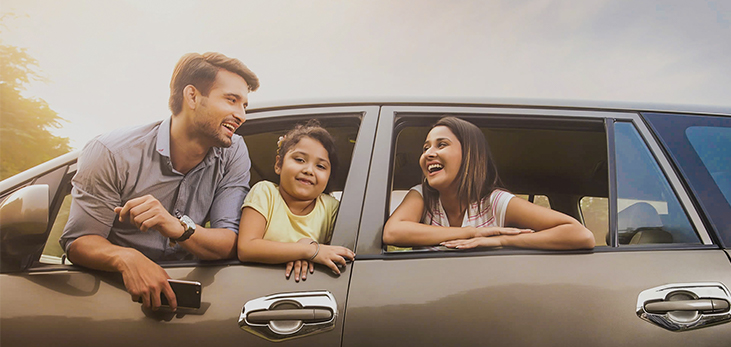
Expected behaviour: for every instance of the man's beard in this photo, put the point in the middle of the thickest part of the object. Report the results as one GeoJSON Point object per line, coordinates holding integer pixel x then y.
{"type": "Point", "coordinates": [208, 129]}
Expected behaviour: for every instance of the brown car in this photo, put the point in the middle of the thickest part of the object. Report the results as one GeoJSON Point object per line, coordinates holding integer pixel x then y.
{"type": "Point", "coordinates": [652, 183]}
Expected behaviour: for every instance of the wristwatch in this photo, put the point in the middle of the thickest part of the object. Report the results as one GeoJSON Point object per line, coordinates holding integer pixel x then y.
{"type": "Point", "coordinates": [189, 226]}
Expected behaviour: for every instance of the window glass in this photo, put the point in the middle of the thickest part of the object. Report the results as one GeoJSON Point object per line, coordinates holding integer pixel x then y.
{"type": "Point", "coordinates": [53, 252]}
{"type": "Point", "coordinates": [713, 145]}
{"type": "Point", "coordinates": [649, 211]}
{"type": "Point", "coordinates": [595, 213]}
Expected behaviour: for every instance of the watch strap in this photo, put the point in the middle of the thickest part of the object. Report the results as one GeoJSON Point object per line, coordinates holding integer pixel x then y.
{"type": "Point", "coordinates": [189, 226]}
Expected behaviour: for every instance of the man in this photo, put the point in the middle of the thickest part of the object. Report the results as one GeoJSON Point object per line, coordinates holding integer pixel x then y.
{"type": "Point", "coordinates": [142, 194]}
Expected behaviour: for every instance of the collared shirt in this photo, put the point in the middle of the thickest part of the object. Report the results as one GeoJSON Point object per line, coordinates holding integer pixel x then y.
{"type": "Point", "coordinates": [119, 166]}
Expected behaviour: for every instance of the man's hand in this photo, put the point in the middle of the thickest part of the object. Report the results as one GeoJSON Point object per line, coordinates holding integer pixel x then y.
{"type": "Point", "coordinates": [147, 213]}
{"type": "Point", "coordinates": [145, 279]}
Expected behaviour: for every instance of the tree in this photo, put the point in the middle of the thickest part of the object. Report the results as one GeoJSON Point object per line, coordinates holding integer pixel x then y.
{"type": "Point", "coordinates": [25, 123]}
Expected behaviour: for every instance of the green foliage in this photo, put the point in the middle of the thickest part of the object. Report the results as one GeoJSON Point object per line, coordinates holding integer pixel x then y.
{"type": "Point", "coordinates": [25, 137]}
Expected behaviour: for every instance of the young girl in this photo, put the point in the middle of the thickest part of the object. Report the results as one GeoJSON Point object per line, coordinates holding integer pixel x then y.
{"type": "Point", "coordinates": [459, 203]}
{"type": "Point", "coordinates": [291, 222]}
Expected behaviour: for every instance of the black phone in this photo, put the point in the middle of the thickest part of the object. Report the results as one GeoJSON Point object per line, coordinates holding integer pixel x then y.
{"type": "Point", "coordinates": [187, 293]}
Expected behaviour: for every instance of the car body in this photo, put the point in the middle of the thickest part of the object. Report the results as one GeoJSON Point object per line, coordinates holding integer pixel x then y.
{"type": "Point", "coordinates": [651, 182]}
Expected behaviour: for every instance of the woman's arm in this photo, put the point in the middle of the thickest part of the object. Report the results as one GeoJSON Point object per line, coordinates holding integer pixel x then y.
{"type": "Point", "coordinates": [403, 228]}
{"type": "Point", "coordinates": [554, 230]}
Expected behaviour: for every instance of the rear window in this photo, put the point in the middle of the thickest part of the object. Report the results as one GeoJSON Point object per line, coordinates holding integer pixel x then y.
{"type": "Point", "coordinates": [713, 146]}
{"type": "Point", "coordinates": [700, 148]}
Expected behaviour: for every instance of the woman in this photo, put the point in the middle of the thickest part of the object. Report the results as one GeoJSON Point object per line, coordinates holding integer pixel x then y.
{"type": "Point", "coordinates": [460, 204]}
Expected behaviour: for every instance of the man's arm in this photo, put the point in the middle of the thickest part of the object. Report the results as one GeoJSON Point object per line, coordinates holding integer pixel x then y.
{"type": "Point", "coordinates": [142, 277]}
{"type": "Point", "coordinates": [147, 213]}
{"type": "Point", "coordinates": [95, 193]}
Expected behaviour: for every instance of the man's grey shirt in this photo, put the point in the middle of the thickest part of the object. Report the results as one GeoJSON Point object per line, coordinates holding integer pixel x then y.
{"type": "Point", "coordinates": [126, 164]}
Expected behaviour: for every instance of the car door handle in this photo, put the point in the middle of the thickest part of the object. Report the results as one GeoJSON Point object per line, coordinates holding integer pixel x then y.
{"type": "Point", "coordinates": [285, 316]}
{"type": "Point", "coordinates": [702, 305]}
{"type": "Point", "coordinates": [685, 306]}
{"type": "Point", "coordinates": [306, 315]}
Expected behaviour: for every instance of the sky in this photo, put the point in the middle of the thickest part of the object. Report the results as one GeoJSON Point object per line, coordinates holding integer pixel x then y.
{"type": "Point", "coordinates": [108, 63]}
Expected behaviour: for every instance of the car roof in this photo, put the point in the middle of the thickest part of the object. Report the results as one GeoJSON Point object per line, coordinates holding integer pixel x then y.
{"type": "Point", "coordinates": [588, 105]}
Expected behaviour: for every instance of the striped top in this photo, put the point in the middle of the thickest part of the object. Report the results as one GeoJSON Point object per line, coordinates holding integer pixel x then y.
{"type": "Point", "coordinates": [492, 215]}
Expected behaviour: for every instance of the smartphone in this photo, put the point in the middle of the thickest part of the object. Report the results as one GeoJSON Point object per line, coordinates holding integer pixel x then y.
{"type": "Point", "coordinates": [187, 293]}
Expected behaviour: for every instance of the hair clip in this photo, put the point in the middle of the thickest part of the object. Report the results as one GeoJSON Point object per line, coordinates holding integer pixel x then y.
{"type": "Point", "coordinates": [279, 143]}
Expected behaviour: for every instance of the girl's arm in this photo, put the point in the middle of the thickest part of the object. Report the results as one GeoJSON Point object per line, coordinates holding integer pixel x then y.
{"type": "Point", "coordinates": [554, 230]}
{"type": "Point", "coordinates": [403, 228]}
{"type": "Point", "coordinates": [253, 248]}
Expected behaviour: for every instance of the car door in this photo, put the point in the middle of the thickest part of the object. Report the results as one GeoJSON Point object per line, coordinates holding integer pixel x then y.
{"type": "Point", "coordinates": [61, 304]}
{"type": "Point", "coordinates": [652, 245]}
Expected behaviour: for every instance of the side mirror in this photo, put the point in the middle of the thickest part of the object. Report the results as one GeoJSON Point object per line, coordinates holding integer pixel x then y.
{"type": "Point", "coordinates": [23, 226]}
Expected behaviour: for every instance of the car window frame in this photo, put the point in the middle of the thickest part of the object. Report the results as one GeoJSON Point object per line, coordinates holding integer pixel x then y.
{"type": "Point", "coordinates": [369, 244]}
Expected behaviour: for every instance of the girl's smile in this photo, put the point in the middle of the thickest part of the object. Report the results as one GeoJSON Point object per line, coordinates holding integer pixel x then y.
{"type": "Point", "coordinates": [304, 172]}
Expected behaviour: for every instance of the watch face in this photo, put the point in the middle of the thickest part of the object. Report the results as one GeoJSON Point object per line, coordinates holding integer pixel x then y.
{"type": "Point", "coordinates": [189, 224]}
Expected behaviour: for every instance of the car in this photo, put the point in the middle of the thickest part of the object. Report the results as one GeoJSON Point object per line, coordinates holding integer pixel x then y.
{"type": "Point", "coordinates": [653, 183]}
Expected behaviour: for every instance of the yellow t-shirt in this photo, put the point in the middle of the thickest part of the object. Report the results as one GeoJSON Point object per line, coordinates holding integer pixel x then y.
{"type": "Point", "coordinates": [282, 224]}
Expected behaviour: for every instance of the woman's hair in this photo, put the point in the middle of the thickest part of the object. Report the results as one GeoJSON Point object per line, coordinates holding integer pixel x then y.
{"type": "Point", "coordinates": [477, 175]}
{"type": "Point", "coordinates": [314, 131]}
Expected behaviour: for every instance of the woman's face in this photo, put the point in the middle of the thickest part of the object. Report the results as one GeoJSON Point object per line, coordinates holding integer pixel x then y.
{"type": "Point", "coordinates": [441, 159]}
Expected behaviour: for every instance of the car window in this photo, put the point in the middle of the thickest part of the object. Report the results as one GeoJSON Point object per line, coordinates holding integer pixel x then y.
{"type": "Point", "coordinates": [699, 147]}
{"type": "Point", "coordinates": [594, 214]}
{"type": "Point", "coordinates": [560, 164]}
{"type": "Point", "coordinates": [52, 252]}
{"type": "Point", "coordinates": [648, 209]}
{"type": "Point", "coordinates": [713, 145]}
{"type": "Point", "coordinates": [262, 143]}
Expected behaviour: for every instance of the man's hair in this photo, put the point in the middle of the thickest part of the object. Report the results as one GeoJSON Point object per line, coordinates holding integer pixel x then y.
{"type": "Point", "coordinates": [477, 176]}
{"type": "Point", "coordinates": [200, 71]}
{"type": "Point", "coordinates": [314, 131]}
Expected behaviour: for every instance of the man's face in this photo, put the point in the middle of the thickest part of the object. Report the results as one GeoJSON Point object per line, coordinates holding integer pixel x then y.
{"type": "Point", "coordinates": [219, 114]}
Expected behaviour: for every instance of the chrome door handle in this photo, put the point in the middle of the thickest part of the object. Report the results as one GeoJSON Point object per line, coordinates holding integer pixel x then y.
{"type": "Point", "coordinates": [286, 316]}
{"type": "Point", "coordinates": [703, 305]}
{"type": "Point", "coordinates": [303, 314]}
{"type": "Point", "coordinates": [686, 306]}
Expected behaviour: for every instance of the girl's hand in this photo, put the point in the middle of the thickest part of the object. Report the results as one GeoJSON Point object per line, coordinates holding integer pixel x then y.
{"type": "Point", "coordinates": [301, 268]}
{"type": "Point", "coordinates": [473, 242]}
{"type": "Point", "coordinates": [332, 256]}
{"type": "Point", "coordinates": [495, 231]}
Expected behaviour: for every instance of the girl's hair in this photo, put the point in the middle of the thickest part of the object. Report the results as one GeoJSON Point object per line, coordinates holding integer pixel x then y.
{"type": "Point", "coordinates": [477, 175]}
{"type": "Point", "coordinates": [314, 131]}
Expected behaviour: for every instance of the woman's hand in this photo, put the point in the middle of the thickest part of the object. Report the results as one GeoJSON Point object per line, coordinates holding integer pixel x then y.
{"type": "Point", "coordinates": [495, 231]}
{"type": "Point", "coordinates": [490, 241]}
{"type": "Point", "coordinates": [300, 267]}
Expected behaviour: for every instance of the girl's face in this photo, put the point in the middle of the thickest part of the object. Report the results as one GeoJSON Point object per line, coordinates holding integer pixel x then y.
{"type": "Point", "coordinates": [305, 170]}
{"type": "Point", "coordinates": [441, 159]}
